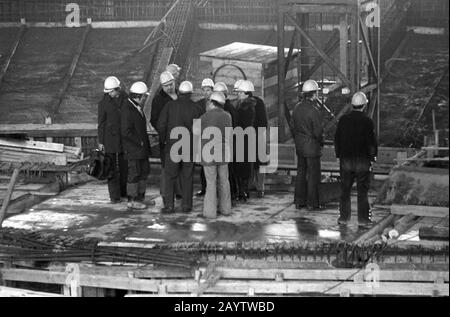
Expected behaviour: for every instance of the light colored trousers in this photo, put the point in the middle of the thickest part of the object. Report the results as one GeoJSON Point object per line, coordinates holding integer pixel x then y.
{"type": "Point", "coordinates": [217, 176]}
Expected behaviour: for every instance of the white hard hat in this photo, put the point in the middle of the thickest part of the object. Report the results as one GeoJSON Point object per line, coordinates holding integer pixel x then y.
{"type": "Point", "coordinates": [238, 83]}
{"type": "Point", "coordinates": [172, 68]}
{"type": "Point", "coordinates": [186, 87]}
{"type": "Point", "coordinates": [310, 85]}
{"type": "Point", "coordinates": [207, 82]}
{"type": "Point", "coordinates": [219, 97]}
{"type": "Point", "coordinates": [165, 77]}
{"type": "Point", "coordinates": [139, 88]}
{"type": "Point", "coordinates": [246, 86]}
{"type": "Point", "coordinates": [359, 99]}
{"type": "Point", "coordinates": [221, 87]}
{"type": "Point", "coordinates": [111, 83]}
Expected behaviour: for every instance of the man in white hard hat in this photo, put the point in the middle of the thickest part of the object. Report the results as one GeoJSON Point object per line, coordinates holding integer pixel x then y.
{"type": "Point", "coordinates": [136, 145]}
{"type": "Point", "coordinates": [356, 148]}
{"type": "Point", "coordinates": [245, 118]}
{"type": "Point", "coordinates": [215, 162]}
{"type": "Point", "coordinates": [261, 122]}
{"type": "Point", "coordinates": [178, 114]}
{"type": "Point", "coordinates": [207, 90]}
{"type": "Point", "coordinates": [309, 140]}
{"type": "Point", "coordinates": [109, 137]}
{"type": "Point", "coordinates": [175, 70]}
{"type": "Point", "coordinates": [168, 92]}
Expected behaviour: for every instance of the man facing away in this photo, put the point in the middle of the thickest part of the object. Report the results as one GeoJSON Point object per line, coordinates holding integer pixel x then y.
{"type": "Point", "coordinates": [356, 148]}
{"type": "Point", "coordinates": [110, 139]}
{"type": "Point", "coordinates": [136, 145]}
{"type": "Point", "coordinates": [207, 90]}
{"type": "Point", "coordinates": [168, 92]}
{"type": "Point", "coordinates": [308, 133]}
{"type": "Point", "coordinates": [179, 114]}
{"type": "Point", "coordinates": [215, 151]}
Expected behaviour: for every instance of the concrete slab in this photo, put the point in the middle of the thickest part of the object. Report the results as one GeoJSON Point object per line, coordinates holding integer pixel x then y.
{"type": "Point", "coordinates": [85, 212]}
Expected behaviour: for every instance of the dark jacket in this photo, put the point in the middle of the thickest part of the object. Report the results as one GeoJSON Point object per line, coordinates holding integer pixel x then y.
{"type": "Point", "coordinates": [308, 129]}
{"type": "Point", "coordinates": [158, 103]}
{"type": "Point", "coordinates": [231, 109]}
{"type": "Point", "coordinates": [109, 112]}
{"type": "Point", "coordinates": [136, 144]}
{"type": "Point", "coordinates": [177, 113]}
{"type": "Point", "coordinates": [261, 121]}
{"type": "Point", "coordinates": [220, 119]}
{"type": "Point", "coordinates": [355, 137]}
{"type": "Point", "coordinates": [245, 117]}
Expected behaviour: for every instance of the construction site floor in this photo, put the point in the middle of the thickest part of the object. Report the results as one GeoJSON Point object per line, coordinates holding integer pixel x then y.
{"type": "Point", "coordinates": [85, 212]}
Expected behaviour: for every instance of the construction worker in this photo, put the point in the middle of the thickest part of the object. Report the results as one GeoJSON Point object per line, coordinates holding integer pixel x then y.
{"type": "Point", "coordinates": [261, 121]}
{"type": "Point", "coordinates": [136, 145]}
{"type": "Point", "coordinates": [207, 90]}
{"type": "Point", "coordinates": [356, 148]}
{"type": "Point", "coordinates": [175, 70]}
{"type": "Point", "coordinates": [309, 140]}
{"type": "Point", "coordinates": [230, 107]}
{"type": "Point", "coordinates": [109, 137]}
{"type": "Point", "coordinates": [216, 164]}
{"type": "Point", "coordinates": [178, 113]}
{"type": "Point", "coordinates": [245, 118]}
{"type": "Point", "coordinates": [168, 92]}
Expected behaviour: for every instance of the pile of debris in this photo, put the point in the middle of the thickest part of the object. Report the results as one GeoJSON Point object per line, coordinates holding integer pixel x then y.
{"type": "Point", "coordinates": [13, 150]}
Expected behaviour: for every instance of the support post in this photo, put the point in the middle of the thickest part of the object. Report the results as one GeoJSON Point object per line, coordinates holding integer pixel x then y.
{"type": "Point", "coordinates": [281, 75]}
{"type": "Point", "coordinates": [9, 192]}
{"type": "Point", "coordinates": [343, 44]}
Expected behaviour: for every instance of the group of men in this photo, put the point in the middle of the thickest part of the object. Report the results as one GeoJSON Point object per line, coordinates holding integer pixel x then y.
{"type": "Point", "coordinates": [356, 149]}
{"type": "Point", "coordinates": [122, 132]}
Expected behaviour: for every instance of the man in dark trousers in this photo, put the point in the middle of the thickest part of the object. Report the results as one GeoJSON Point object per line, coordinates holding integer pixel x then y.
{"type": "Point", "coordinates": [261, 121]}
{"type": "Point", "coordinates": [356, 148]}
{"type": "Point", "coordinates": [136, 145]}
{"type": "Point", "coordinates": [110, 139]}
{"type": "Point", "coordinates": [308, 131]}
{"type": "Point", "coordinates": [179, 114]}
{"type": "Point", "coordinates": [168, 92]}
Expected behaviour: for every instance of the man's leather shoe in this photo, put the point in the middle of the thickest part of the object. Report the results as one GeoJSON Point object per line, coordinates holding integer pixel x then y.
{"type": "Point", "coordinates": [299, 206]}
{"type": "Point", "coordinates": [317, 208]}
{"type": "Point", "coordinates": [343, 222]}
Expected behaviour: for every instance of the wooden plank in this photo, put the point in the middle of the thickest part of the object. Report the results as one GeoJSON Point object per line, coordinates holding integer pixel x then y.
{"type": "Point", "coordinates": [19, 156]}
{"type": "Point", "coordinates": [422, 211]}
{"type": "Point", "coordinates": [377, 229]}
{"type": "Point", "coordinates": [11, 53]}
{"type": "Point", "coordinates": [33, 145]}
{"type": "Point", "coordinates": [16, 292]}
{"type": "Point", "coordinates": [434, 234]}
{"type": "Point", "coordinates": [229, 286]}
{"type": "Point", "coordinates": [7, 199]}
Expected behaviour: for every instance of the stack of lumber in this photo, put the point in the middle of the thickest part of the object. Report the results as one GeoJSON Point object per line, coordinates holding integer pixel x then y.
{"type": "Point", "coordinates": [12, 150]}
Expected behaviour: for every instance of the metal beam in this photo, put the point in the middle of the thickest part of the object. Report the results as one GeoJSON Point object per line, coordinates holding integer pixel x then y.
{"type": "Point", "coordinates": [319, 51]}
{"type": "Point", "coordinates": [314, 8]}
{"type": "Point", "coordinates": [368, 50]}
{"type": "Point", "coordinates": [71, 71]}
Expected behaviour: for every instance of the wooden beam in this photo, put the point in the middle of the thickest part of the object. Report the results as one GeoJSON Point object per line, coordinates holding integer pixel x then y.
{"type": "Point", "coordinates": [9, 192]}
{"type": "Point", "coordinates": [421, 211]}
{"type": "Point", "coordinates": [33, 145]}
{"type": "Point", "coordinates": [16, 292]}
{"type": "Point", "coordinates": [70, 72]}
{"type": "Point", "coordinates": [377, 229]}
{"type": "Point", "coordinates": [319, 51]}
{"type": "Point", "coordinates": [11, 53]}
{"type": "Point", "coordinates": [289, 56]}
{"type": "Point", "coordinates": [434, 234]}
{"type": "Point", "coordinates": [312, 8]}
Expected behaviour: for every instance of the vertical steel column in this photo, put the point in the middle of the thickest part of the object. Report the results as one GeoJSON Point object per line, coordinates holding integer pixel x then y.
{"type": "Point", "coordinates": [281, 76]}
